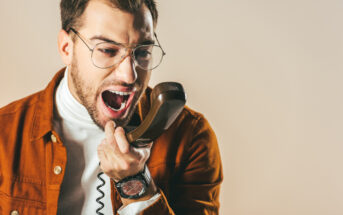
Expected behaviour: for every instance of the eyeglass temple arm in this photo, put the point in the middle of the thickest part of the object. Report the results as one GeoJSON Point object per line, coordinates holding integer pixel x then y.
{"type": "Point", "coordinates": [77, 34]}
{"type": "Point", "coordinates": [158, 42]}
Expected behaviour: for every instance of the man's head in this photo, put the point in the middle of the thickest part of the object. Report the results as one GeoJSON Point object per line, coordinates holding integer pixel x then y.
{"type": "Point", "coordinates": [72, 10]}
{"type": "Point", "coordinates": [109, 89]}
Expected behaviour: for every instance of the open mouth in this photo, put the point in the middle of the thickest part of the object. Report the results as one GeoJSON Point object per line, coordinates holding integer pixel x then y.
{"type": "Point", "coordinates": [116, 100]}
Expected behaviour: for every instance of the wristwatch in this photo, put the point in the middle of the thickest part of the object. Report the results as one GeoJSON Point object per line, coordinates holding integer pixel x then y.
{"type": "Point", "coordinates": [135, 186]}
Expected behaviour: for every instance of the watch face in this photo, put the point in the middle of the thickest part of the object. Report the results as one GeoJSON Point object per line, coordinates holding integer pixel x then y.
{"type": "Point", "coordinates": [132, 187]}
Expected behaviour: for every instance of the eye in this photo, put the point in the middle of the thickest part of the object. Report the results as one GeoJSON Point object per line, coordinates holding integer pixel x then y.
{"type": "Point", "coordinates": [110, 52]}
{"type": "Point", "coordinates": [143, 53]}
{"type": "Point", "coordinates": [107, 50]}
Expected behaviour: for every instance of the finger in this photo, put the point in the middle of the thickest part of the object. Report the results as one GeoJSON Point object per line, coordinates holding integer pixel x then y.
{"type": "Point", "coordinates": [109, 131]}
{"type": "Point", "coordinates": [145, 154]}
{"type": "Point", "coordinates": [138, 144]}
{"type": "Point", "coordinates": [106, 156]}
{"type": "Point", "coordinates": [102, 154]}
{"type": "Point", "coordinates": [143, 147]}
{"type": "Point", "coordinates": [149, 145]}
{"type": "Point", "coordinates": [142, 153]}
{"type": "Point", "coordinates": [121, 139]}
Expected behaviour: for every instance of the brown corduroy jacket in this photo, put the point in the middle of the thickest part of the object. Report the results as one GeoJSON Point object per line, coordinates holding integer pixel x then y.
{"type": "Point", "coordinates": [184, 162]}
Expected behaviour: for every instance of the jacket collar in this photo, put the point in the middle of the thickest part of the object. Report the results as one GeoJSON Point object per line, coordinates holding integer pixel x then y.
{"type": "Point", "coordinates": [45, 109]}
{"type": "Point", "coordinates": [44, 112]}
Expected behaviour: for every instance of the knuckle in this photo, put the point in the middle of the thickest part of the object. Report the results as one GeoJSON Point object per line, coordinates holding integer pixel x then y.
{"type": "Point", "coordinates": [126, 166]}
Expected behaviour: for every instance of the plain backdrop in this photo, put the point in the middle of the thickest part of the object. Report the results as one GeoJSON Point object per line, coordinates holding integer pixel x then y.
{"type": "Point", "coordinates": [267, 74]}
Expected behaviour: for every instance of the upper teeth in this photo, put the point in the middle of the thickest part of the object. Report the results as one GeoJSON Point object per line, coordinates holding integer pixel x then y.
{"type": "Point", "coordinates": [120, 93]}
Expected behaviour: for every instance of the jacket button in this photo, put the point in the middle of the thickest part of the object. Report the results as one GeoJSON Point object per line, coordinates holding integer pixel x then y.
{"type": "Point", "coordinates": [14, 212]}
{"type": "Point", "coordinates": [53, 138]}
{"type": "Point", "coordinates": [57, 170]}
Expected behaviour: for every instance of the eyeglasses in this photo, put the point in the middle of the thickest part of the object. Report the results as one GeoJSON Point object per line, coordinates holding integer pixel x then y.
{"type": "Point", "coordinates": [108, 54]}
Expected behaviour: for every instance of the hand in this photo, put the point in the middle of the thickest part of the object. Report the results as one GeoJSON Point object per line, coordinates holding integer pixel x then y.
{"type": "Point", "coordinates": [118, 159]}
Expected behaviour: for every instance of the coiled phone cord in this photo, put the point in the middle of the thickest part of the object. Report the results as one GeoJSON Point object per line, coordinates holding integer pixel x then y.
{"type": "Point", "coordinates": [98, 200]}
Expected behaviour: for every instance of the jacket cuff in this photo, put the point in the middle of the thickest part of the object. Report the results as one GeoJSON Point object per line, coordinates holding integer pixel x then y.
{"type": "Point", "coordinates": [160, 206]}
{"type": "Point", "coordinates": [137, 207]}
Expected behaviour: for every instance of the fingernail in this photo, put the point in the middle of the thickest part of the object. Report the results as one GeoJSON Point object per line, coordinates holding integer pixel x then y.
{"type": "Point", "coordinates": [120, 129]}
{"type": "Point", "coordinates": [111, 122]}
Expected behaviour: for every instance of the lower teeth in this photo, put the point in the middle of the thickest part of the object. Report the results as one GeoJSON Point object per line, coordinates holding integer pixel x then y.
{"type": "Point", "coordinates": [121, 107]}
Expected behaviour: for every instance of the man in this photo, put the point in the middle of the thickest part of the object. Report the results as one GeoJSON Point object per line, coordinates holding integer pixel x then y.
{"type": "Point", "coordinates": [55, 144]}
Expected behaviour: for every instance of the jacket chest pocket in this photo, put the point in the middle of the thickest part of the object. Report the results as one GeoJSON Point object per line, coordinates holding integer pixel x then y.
{"type": "Point", "coordinates": [21, 196]}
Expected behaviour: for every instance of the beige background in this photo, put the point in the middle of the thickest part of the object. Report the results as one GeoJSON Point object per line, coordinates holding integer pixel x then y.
{"type": "Point", "coordinates": [266, 73]}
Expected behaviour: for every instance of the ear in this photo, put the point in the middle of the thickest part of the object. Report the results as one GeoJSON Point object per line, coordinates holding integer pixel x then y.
{"type": "Point", "coordinates": [65, 47]}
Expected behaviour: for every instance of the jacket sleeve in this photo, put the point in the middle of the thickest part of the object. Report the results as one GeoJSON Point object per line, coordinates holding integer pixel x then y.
{"type": "Point", "coordinates": [196, 189]}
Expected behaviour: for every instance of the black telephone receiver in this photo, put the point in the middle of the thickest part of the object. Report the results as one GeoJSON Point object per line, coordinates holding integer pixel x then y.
{"type": "Point", "coordinates": [167, 102]}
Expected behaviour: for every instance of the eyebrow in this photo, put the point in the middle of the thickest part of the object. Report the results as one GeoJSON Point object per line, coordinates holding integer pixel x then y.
{"type": "Point", "coordinates": [105, 39]}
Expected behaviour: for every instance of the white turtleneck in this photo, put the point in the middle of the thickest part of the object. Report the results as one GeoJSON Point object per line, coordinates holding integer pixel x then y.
{"type": "Point", "coordinates": [81, 136]}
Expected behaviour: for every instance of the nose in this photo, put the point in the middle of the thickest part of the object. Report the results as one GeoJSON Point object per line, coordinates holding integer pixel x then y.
{"type": "Point", "coordinates": [126, 71]}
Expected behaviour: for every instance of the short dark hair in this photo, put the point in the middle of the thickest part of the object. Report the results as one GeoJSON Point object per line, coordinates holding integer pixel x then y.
{"type": "Point", "coordinates": [72, 10]}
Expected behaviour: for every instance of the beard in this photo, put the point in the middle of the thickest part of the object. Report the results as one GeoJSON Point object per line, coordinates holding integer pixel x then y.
{"type": "Point", "coordinates": [88, 97]}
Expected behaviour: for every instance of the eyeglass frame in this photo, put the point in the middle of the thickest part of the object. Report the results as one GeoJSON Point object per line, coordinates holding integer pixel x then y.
{"type": "Point", "coordinates": [119, 44]}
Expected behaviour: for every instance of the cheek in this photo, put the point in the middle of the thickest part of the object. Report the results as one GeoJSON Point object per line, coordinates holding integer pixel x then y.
{"type": "Point", "coordinates": [88, 73]}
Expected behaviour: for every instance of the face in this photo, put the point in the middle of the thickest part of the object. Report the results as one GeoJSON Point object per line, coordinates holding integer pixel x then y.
{"type": "Point", "coordinates": [112, 93]}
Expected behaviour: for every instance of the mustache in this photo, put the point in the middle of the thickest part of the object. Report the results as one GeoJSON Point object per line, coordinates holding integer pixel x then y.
{"type": "Point", "coordinates": [131, 87]}
{"type": "Point", "coordinates": [119, 83]}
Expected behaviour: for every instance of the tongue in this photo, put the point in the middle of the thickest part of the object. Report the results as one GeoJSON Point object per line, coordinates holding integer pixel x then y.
{"type": "Point", "coordinates": [113, 100]}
